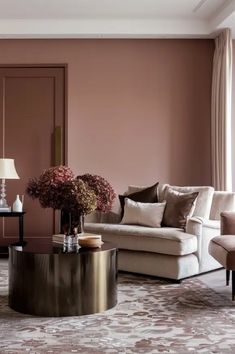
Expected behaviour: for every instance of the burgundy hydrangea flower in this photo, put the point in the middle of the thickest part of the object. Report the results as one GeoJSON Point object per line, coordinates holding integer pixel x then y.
{"type": "Point", "coordinates": [103, 190]}
{"type": "Point", "coordinates": [32, 188]}
{"type": "Point", "coordinates": [58, 189]}
{"type": "Point", "coordinates": [53, 176]}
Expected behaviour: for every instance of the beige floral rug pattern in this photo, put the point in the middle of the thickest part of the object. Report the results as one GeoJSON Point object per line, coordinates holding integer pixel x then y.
{"type": "Point", "coordinates": [152, 316]}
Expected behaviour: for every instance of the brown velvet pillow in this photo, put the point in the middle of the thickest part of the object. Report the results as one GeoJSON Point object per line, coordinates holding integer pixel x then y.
{"type": "Point", "coordinates": [178, 207]}
{"type": "Point", "coordinates": [147, 195]}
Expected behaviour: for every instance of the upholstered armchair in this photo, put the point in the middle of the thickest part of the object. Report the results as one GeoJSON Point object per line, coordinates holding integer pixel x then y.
{"type": "Point", "coordinates": [227, 223]}
{"type": "Point", "coordinates": [222, 247]}
{"type": "Point", "coordinates": [227, 228]}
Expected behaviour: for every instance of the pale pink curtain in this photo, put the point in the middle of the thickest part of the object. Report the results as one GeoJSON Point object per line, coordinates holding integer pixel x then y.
{"type": "Point", "coordinates": [221, 112]}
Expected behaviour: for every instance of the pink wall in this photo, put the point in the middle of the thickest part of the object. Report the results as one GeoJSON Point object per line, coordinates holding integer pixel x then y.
{"type": "Point", "coordinates": [138, 110]}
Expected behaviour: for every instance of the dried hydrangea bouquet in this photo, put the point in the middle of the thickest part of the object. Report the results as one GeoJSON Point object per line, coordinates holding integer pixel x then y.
{"type": "Point", "coordinates": [58, 188]}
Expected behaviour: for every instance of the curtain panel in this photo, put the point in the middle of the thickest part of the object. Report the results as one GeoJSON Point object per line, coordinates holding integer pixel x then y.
{"type": "Point", "coordinates": [221, 112]}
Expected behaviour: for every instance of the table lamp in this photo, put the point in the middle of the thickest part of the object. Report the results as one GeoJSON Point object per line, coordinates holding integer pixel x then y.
{"type": "Point", "coordinates": [7, 171]}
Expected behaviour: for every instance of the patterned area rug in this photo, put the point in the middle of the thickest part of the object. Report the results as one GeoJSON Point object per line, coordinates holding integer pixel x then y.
{"type": "Point", "coordinates": [152, 316]}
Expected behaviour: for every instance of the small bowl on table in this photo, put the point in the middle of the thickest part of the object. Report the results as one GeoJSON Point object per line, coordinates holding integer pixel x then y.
{"type": "Point", "coordinates": [92, 241]}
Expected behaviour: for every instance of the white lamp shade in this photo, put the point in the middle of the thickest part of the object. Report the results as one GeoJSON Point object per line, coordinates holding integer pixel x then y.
{"type": "Point", "coordinates": [7, 169]}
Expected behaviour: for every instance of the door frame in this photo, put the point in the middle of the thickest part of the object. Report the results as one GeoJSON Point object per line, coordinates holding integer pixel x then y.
{"type": "Point", "coordinates": [64, 66]}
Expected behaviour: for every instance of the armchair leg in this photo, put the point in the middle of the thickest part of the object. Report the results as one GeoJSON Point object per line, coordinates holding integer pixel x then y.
{"type": "Point", "coordinates": [227, 276]}
{"type": "Point", "coordinates": [233, 285]}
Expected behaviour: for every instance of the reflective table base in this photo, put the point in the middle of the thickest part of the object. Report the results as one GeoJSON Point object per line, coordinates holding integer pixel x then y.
{"type": "Point", "coordinates": [45, 281]}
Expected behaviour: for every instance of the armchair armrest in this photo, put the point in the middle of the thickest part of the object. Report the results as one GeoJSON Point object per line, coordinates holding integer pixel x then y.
{"type": "Point", "coordinates": [205, 230]}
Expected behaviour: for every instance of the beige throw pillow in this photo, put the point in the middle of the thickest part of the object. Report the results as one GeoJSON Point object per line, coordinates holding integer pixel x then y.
{"type": "Point", "coordinates": [178, 207]}
{"type": "Point", "coordinates": [146, 214]}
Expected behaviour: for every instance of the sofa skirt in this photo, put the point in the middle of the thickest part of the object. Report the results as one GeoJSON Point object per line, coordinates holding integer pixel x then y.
{"type": "Point", "coordinates": [156, 264]}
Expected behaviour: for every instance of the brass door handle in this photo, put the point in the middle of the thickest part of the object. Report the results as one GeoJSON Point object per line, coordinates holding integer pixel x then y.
{"type": "Point", "coordinates": [58, 146]}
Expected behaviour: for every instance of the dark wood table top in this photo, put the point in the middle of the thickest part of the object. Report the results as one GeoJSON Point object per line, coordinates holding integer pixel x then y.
{"type": "Point", "coordinates": [49, 247]}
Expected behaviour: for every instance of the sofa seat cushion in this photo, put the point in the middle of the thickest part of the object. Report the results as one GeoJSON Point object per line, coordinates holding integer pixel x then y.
{"type": "Point", "coordinates": [164, 240]}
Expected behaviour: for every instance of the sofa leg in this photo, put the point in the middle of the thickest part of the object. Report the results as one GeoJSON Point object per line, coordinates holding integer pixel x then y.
{"type": "Point", "coordinates": [233, 285]}
{"type": "Point", "coordinates": [227, 276]}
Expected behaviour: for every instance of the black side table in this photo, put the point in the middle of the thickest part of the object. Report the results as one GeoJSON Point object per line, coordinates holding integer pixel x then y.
{"type": "Point", "coordinates": [13, 214]}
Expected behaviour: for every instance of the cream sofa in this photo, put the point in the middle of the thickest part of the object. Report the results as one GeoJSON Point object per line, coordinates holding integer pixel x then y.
{"type": "Point", "coordinates": [167, 252]}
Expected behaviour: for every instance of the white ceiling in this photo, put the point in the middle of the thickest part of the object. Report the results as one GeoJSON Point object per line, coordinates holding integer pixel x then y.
{"type": "Point", "coordinates": [115, 18]}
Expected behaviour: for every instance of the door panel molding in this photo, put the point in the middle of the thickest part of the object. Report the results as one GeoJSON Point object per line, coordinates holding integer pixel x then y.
{"type": "Point", "coordinates": [16, 95]}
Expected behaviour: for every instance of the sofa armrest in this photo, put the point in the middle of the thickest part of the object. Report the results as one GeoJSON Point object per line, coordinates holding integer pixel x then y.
{"type": "Point", "coordinates": [205, 230]}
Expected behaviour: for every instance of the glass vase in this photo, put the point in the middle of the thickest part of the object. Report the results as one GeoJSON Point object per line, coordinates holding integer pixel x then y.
{"type": "Point", "coordinates": [80, 226]}
{"type": "Point", "coordinates": [72, 223]}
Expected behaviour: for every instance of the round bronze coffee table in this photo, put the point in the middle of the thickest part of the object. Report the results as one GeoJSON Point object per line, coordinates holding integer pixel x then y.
{"type": "Point", "coordinates": [46, 281]}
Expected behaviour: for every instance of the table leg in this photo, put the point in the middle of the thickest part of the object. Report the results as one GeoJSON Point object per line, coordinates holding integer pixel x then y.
{"type": "Point", "coordinates": [21, 228]}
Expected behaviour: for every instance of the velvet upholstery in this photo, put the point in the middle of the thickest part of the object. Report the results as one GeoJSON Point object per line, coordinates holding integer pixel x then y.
{"type": "Point", "coordinates": [178, 207]}
{"type": "Point", "coordinates": [146, 195]}
{"type": "Point", "coordinates": [222, 248]}
{"type": "Point", "coordinates": [228, 223]}
{"type": "Point", "coordinates": [203, 202]}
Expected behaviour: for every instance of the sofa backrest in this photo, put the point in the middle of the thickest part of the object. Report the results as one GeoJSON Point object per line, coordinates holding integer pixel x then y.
{"type": "Point", "coordinates": [112, 217]}
{"type": "Point", "coordinates": [222, 201]}
{"type": "Point", "coordinates": [203, 202]}
{"type": "Point", "coordinates": [209, 203]}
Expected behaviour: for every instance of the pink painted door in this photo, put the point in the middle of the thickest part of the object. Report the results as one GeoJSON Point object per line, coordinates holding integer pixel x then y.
{"type": "Point", "coordinates": [32, 107]}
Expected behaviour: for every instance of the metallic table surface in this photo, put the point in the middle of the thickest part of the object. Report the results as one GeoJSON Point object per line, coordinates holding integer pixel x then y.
{"type": "Point", "coordinates": [44, 281]}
